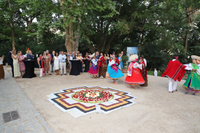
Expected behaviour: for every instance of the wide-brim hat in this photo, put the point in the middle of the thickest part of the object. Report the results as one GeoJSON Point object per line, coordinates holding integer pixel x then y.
{"type": "Point", "coordinates": [133, 57]}
{"type": "Point", "coordinates": [112, 56]}
{"type": "Point", "coordinates": [195, 57]}
{"type": "Point", "coordinates": [92, 55]}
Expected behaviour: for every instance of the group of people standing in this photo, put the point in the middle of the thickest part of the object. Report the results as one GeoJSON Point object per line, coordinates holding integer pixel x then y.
{"type": "Point", "coordinates": [100, 61]}
{"type": "Point", "coordinates": [61, 61]}
{"type": "Point", "coordinates": [45, 62]}
{"type": "Point", "coordinates": [176, 70]}
{"type": "Point", "coordinates": [137, 72]}
{"type": "Point", "coordinates": [107, 66]}
{"type": "Point", "coordinates": [15, 60]}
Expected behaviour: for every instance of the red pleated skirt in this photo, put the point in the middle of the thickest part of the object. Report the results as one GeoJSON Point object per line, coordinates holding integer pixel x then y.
{"type": "Point", "coordinates": [135, 78]}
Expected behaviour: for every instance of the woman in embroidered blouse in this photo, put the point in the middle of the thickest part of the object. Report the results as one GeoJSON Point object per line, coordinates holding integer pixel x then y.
{"type": "Point", "coordinates": [94, 68]}
{"type": "Point", "coordinates": [102, 66]}
{"type": "Point", "coordinates": [192, 83]}
{"type": "Point", "coordinates": [113, 70]}
{"type": "Point", "coordinates": [143, 71]}
{"type": "Point", "coordinates": [134, 77]}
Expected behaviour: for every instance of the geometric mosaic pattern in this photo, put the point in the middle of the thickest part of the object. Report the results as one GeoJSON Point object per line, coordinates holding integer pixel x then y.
{"type": "Point", "coordinates": [63, 100]}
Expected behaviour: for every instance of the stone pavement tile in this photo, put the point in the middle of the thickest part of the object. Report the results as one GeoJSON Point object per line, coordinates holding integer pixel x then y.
{"type": "Point", "coordinates": [31, 125]}
{"type": "Point", "coordinates": [14, 115]}
{"type": "Point", "coordinates": [15, 104]}
{"type": "Point", "coordinates": [43, 122]}
{"type": "Point", "coordinates": [12, 98]}
{"type": "Point", "coordinates": [7, 117]}
{"type": "Point", "coordinates": [1, 120]}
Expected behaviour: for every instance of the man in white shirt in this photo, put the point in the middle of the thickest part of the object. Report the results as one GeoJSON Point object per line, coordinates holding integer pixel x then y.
{"type": "Point", "coordinates": [62, 59]}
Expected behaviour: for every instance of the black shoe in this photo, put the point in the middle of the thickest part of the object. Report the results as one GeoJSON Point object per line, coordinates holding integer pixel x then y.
{"type": "Point", "coordinates": [61, 74]}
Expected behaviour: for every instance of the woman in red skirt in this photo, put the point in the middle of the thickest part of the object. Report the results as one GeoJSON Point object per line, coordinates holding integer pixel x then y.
{"type": "Point", "coordinates": [134, 77]}
{"type": "Point", "coordinates": [94, 67]}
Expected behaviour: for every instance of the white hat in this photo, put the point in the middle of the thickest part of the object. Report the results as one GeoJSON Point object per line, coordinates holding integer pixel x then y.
{"type": "Point", "coordinates": [92, 55]}
{"type": "Point", "coordinates": [195, 57]}
{"type": "Point", "coordinates": [112, 56]}
{"type": "Point", "coordinates": [133, 57]}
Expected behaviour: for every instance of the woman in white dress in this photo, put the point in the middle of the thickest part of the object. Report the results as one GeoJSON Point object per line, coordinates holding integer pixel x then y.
{"type": "Point", "coordinates": [15, 64]}
{"type": "Point", "coordinates": [56, 64]}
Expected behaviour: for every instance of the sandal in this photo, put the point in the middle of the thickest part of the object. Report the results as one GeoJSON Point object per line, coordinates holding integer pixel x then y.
{"type": "Point", "coordinates": [170, 91]}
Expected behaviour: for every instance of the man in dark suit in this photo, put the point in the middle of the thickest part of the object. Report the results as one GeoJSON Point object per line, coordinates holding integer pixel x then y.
{"type": "Point", "coordinates": [52, 62]}
{"type": "Point", "coordinates": [10, 61]}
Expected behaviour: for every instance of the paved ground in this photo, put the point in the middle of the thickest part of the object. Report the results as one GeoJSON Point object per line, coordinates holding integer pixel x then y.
{"type": "Point", "coordinates": [12, 98]}
{"type": "Point", "coordinates": [156, 111]}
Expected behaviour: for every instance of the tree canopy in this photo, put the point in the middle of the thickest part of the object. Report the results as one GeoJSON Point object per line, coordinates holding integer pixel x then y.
{"type": "Point", "coordinates": [160, 28]}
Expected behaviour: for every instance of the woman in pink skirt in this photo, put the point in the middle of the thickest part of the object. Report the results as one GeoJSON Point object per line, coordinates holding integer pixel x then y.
{"type": "Point", "coordinates": [21, 63]}
{"type": "Point", "coordinates": [94, 67]}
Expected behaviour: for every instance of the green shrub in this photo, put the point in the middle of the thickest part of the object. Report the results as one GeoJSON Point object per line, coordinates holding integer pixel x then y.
{"type": "Point", "coordinates": [124, 59]}
{"type": "Point", "coordinates": [152, 73]}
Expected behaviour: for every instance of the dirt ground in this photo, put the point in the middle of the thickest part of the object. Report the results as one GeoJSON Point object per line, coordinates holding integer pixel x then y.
{"type": "Point", "coordinates": [156, 111]}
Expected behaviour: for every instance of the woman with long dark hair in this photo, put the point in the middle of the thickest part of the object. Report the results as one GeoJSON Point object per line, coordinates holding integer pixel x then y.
{"type": "Point", "coordinates": [40, 64]}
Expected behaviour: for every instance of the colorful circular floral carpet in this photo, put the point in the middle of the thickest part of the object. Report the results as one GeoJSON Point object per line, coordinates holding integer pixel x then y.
{"type": "Point", "coordinates": [83, 100]}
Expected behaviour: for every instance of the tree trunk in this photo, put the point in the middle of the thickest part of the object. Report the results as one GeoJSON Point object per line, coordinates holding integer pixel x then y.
{"type": "Point", "coordinates": [76, 42]}
{"type": "Point", "coordinates": [186, 42]}
{"type": "Point", "coordinates": [91, 48]}
{"type": "Point", "coordinates": [13, 38]}
{"type": "Point", "coordinates": [12, 28]}
{"type": "Point", "coordinates": [112, 38]}
{"type": "Point", "coordinates": [28, 25]}
{"type": "Point", "coordinates": [69, 43]}
{"type": "Point", "coordinates": [187, 34]}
